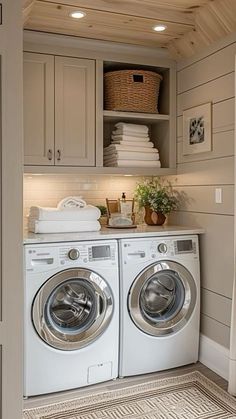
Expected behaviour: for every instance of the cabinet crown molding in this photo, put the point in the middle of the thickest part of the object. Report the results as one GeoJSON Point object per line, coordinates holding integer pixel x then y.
{"type": "Point", "coordinates": [49, 43]}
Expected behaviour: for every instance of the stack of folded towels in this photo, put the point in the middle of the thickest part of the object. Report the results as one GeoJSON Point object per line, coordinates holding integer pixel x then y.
{"type": "Point", "coordinates": [131, 147]}
{"type": "Point", "coordinates": [71, 215]}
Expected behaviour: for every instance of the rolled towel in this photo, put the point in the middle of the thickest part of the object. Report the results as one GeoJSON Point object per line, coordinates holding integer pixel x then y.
{"type": "Point", "coordinates": [132, 134]}
{"type": "Point", "coordinates": [121, 147]}
{"type": "Point", "coordinates": [133, 144]}
{"type": "Point", "coordinates": [132, 163]}
{"type": "Point", "coordinates": [88, 213]}
{"type": "Point", "coordinates": [131, 155]}
{"type": "Point", "coordinates": [71, 202]}
{"type": "Point", "coordinates": [131, 127]}
{"type": "Point", "coordinates": [36, 226]}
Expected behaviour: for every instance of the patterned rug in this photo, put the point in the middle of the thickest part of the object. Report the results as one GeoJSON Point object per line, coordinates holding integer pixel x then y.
{"type": "Point", "coordinates": [188, 396]}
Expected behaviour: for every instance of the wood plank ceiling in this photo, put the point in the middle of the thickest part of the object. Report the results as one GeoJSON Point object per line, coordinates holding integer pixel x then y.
{"type": "Point", "coordinates": [190, 24]}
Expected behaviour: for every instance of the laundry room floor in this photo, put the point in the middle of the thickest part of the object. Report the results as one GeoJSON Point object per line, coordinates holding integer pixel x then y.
{"type": "Point", "coordinates": [121, 383]}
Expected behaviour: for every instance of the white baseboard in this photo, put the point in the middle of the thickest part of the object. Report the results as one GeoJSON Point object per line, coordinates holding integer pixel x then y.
{"type": "Point", "coordinates": [214, 356]}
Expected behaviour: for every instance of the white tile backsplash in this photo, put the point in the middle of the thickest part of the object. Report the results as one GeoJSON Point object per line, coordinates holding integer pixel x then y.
{"type": "Point", "coordinates": [48, 190]}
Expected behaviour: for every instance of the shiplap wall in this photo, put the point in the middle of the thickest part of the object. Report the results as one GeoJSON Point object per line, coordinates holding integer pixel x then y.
{"type": "Point", "coordinates": [210, 78]}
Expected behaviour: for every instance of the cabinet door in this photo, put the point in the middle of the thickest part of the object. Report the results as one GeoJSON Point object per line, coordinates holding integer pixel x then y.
{"type": "Point", "coordinates": [38, 109]}
{"type": "Point", "coordinates": [74, 112]}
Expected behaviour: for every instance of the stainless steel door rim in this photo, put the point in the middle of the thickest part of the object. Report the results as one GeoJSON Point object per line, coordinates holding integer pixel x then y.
{"type": "Point", "coordinates": [162, 298]}
{"type": "Point", "coordinates": [72, 309]}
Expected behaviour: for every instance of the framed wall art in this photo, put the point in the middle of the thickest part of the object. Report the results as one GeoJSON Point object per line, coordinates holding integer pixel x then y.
{"type": "Point", "coordinates": [197, 129]}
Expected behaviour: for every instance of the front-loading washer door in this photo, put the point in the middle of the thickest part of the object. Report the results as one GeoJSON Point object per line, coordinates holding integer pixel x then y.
{"type": "Point", "coordinates": [72, 309]}
{"type": "Point", "coordinates": [162, 298]}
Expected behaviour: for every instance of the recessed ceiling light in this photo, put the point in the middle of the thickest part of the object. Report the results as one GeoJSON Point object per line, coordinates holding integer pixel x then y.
{"type": "Point", "coordinates": [159, 28]}
{"type": "Point", "coordinates": [77, 14]}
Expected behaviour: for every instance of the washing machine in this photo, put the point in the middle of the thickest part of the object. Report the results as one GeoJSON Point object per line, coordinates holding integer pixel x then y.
{"type": "Point", "coordinates": [71, 317]}
{"type": "Point", "coordinates": [160, 304]}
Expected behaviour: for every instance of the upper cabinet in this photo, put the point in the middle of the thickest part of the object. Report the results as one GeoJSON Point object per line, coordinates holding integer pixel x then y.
{"type": "Point", "coordinates": [74, 112]}
{"type": "Point", "coordinates": [59, 110]}
{"type": "Point", "coordinates": [38, 109]}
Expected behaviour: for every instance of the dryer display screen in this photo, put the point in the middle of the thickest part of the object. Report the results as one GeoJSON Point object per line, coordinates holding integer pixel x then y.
{"type": "Point", "coordinates": [100, 252]}
{"type": "Point", "coordinates": [184, 246]}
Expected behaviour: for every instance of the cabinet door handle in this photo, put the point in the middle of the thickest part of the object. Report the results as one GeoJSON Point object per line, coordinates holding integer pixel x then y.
{"type": "Point", "coordinates": [58, 155]}
{"type": "Point", "coordinates": [49, 154]}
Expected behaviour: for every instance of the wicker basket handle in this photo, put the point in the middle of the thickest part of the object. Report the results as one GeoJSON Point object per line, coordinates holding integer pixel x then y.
{"type": "Point", "coordinates": [138, 78]}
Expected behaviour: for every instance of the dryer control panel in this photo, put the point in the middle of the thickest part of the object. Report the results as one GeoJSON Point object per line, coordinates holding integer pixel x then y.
{"type": "Point", "coordinates": [160, 248]}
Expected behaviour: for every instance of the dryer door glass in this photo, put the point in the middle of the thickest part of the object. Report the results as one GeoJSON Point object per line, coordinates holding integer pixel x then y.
{"type": "Point", "coordinates": [162, 298]}
{"type": "Point", "coordinates": [72, 309]}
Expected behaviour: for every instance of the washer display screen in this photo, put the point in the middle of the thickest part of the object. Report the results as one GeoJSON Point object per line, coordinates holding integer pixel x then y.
{"type": "Point", "coordinates": [184, 246]}
{"type": "Point", "coordinates": [101, 252]}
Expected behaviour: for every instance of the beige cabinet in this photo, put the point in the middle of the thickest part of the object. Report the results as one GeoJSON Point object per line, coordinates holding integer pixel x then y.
{"type": "Point", "coordinates": [38, 109]}
{"type": "Point", "coordinates": [74, 112]}
{"type": "Point", "coordinates": [59, 110]}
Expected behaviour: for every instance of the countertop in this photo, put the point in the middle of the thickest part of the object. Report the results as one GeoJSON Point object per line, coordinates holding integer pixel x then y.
{"type": "Point", "coordinates": [110, 233]}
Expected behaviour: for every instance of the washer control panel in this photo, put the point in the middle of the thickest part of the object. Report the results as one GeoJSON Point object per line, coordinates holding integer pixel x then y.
{"type": "Point", "coordinates": [92, 253]}
{"type": "Point", "coordinates": [43, 258]}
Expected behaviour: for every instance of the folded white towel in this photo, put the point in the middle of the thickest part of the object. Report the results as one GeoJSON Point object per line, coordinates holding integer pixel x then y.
{"type": "Point", "coordinates": [121, 147]}
{"type": "Point", "coordinates": [133, 144]}
{"type": "Point", "coordinates": [131, 134]}
{"type": "Point", "coordinates": [125, 155]}
{"type": "Point", "coordinates": [132, 163]}
{"type": "Point", "coordinates": [36, 226]}
{"type": "Point", "coordinates": [131, 127]}
{"type": "Point", "coordinates": [71, 202]}
{"type": "Point", "coordinates": [88, 213]}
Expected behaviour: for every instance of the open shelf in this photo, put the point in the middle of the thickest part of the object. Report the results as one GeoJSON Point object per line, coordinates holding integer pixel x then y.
{"type": "Point", "coordinates": [112, 171]}
{"type": "Point", "coordinates": [150, 118]}
{"type": "Point", "coordinates": [161, 126]}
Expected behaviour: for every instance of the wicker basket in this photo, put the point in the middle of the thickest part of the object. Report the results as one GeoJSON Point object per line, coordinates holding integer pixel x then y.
{"type": "Point", "coordinates": [132, 90]}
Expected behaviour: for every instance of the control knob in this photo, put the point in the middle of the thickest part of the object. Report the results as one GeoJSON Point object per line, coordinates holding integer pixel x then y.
{"type": "Point", "coordinates": [73, 254]}
{"type": "Point", "coordinates": [162, 248]}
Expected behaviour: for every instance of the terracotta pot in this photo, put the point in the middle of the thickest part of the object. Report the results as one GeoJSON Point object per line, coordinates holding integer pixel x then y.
{"type": "Point", "coordinates": [153, 218]}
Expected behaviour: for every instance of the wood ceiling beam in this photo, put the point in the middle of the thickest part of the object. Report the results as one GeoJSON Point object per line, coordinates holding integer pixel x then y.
{"type": "Point", "coordinates": [27, 9]}
{"type": "Point", "coordinates": [27, 3]}
{"type": "Point", "coordinates": [214, 21]}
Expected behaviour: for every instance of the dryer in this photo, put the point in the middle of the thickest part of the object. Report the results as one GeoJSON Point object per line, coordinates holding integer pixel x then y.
{"type": "Point", "coordinates": [160, 304]}
{"type": "Point", "coordinates": [71, 317]}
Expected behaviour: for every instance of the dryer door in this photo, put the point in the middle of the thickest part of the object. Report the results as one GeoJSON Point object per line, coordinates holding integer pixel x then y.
{"type": "Point", "coordinates": [72, 309]}
{"type": "Point", "coordinates": [162, 298]}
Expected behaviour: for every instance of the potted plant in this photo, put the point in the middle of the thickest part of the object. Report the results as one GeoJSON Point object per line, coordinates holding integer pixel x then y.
{"type": "Point", "coordinates": [104, 215]}
{"type": "Point", "coordinates": [156, 196]}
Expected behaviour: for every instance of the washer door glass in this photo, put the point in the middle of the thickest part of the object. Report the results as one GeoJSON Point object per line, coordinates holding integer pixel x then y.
{"type": "Point", "coordinates": [162, 298]}
{"type": "Point", "coordinates": [72, 309]}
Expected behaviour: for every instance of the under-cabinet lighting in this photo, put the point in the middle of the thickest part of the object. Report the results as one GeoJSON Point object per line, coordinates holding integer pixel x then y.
{"type": "Point", "coordinates": [128, 175]}
{"type": "Point", "coordinates": [160, 28]}
{"type": "Point", "coordinates": [77, 14]}
{"type": "Point", "coordinates": [34, 174]}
